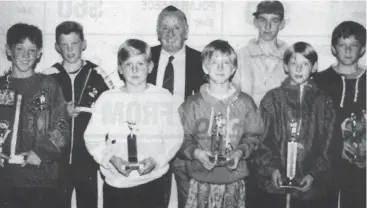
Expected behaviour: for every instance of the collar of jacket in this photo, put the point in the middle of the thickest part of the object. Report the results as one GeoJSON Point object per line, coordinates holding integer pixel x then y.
{"type": "Point", "coordinates": [293, 91]}
{"type": "Point", "coordinates": [213, 100]}
{"type": "Point", "coordinates": [255, 50]}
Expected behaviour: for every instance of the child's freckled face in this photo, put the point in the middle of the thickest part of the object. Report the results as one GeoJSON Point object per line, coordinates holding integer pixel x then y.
{"type": "Point", "coordinates": [24, 55]}
{"type": "Point", "coordinates": [135, 70]}
{"type": "Point", "coordinates": [219, 68]}
{"type": "Point", "coordinates": [299, 68]}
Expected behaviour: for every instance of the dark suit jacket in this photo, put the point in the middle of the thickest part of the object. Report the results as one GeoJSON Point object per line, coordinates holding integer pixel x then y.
{"type": "Point", "coordinates": [194, 72]}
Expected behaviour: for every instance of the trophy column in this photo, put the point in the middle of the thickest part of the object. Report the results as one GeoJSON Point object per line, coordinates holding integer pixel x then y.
{"type": "Point", "coordinates": [220, 147]}
{"type": "Point", "coordinates": [16, 159]}
{"type": "Point", "coordinates": [132, 149]}
{"type": "Point", "coordinates": [291, 156]}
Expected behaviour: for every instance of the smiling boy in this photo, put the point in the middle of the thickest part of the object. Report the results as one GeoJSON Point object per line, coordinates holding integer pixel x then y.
{"type": "Point", "coordinates": [43, 126]}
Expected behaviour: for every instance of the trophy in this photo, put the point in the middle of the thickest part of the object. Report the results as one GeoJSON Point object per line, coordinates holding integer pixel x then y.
{"type": "Point", "coordinates": [132, 148]}
{"type": "Point", "coordinates": [10, 105]}
{"type": "Point", "coordinates": [354, 137]}
{"type": "Point", "coordinates": [220, 146]}
{"type": "Point", "coordinates": [292, 146]}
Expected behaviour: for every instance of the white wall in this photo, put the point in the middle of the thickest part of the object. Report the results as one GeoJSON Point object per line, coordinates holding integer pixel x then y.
{"type": "Point", "coordinates": [108, 23]}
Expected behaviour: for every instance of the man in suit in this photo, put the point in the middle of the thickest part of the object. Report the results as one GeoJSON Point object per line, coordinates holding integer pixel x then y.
{"type": "Point", "coordinates": [177, 68]}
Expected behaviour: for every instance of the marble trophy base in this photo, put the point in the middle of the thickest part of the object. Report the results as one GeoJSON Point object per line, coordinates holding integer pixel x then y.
{"type": "Point", "coordinates": [134, 166]}
{"type": "Point", "coordinates": [16, 159]}
{"type": "Point", "coordinates": [220, 161]}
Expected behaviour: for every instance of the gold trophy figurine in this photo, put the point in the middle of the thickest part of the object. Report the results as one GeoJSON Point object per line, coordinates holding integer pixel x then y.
{"type": "Point", "coordinates": [220, 146]}
{"type": "Point", "coordinates": [4, 132]}
{"type": "Point", "coordinates": [354, 136]}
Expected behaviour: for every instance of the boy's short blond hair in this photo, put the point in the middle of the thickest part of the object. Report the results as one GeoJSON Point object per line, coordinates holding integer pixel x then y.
{"type": "Point", "coordinates": [133, 47]}
{"type": "Point", "coordinates": [222, 47]}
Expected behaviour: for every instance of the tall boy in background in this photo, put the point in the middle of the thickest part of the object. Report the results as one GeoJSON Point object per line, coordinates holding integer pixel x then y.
{"type": "Point", "coordinates": [260, 66]}
{"type": "Point", "coordinates": [260, 63]}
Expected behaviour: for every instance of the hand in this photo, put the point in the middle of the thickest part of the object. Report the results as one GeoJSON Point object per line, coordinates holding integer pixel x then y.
{"type": "Point", "coordinates": [148, 165]}
{"type": "Point", "coordinates": [72, 110]}
{"type": "Point", "coordinates": [31, 158]}
{"type": "Point", "coordinates": [235, 156]}
{"type": "Point", "coordinates": [276, 178]}
{"type": "Point", "coordinates": [306, 183]}
{"type": "Point", "coordinates": [2, 157]}
{"type": "Point", "coordinates": [346, 125]}
{"type": "Point", "coordinates": [120, 165]}
{"type": "Point", "coordinates": [349, 151]}
{"type": "Point", "coordinates": [203, 157]}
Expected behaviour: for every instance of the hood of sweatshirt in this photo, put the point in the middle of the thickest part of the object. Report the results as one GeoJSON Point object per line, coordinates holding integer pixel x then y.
{"type": "Point", "coordinates": [218, 102]}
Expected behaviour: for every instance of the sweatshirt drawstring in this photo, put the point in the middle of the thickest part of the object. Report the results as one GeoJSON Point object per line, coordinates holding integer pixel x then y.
{"type": "Point", "coordinates": [211, 121]}
{"type": "Point", "coordinates": [355, 99]}
{"type": "Point", "coordinates": [356, 90]}
{"type": "Point", "coordinates": [227, 125]}
{"type": "Point", "coordinates": [343, 92]}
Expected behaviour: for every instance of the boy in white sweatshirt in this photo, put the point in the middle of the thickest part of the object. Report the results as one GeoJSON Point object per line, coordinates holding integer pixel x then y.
{"type": "Point", "coordinates": [139, 109]}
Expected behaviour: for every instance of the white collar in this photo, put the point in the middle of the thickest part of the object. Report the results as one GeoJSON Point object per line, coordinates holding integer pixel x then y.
{"type": "Point", "coordinates": [178, 55]}
{"type": "Point", "coordinates": [255, 50]}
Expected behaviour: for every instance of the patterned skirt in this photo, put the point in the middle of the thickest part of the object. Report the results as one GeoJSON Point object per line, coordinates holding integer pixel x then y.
{"type": "Point", "coordinates": [206, 195]}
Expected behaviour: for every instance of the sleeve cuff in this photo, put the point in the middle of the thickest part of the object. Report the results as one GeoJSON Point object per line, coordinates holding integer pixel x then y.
{"type": "Point", "coordinates": [103, 156]}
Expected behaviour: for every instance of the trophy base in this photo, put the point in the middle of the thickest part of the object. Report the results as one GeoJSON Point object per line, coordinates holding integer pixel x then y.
{"type": "Point", "coordinates": [16, 159]}
{"type": "Point", "coordinates": [290, 184]}
{"type": "Point", "coordinates": [134, 166]}
{"type": "Point", "coordinates": [220, 160]}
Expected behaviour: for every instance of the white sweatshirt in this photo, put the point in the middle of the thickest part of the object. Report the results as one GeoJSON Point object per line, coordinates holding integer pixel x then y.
{"type": "Point", "coordinates": [159, 132]}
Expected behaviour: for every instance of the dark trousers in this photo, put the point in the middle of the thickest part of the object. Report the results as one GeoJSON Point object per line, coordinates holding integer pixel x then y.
{"type": "Point", "coordinates": [149, 195]}
{"type": "Point", "coordinates": [352, 186]}
{"type": "Point", "coordinates": [19, 197]}
{"type": "Point", "coordinates": [84, 180]}
{"type": "Point", "coordinates": [182, 182]}
{"type": "Point", "coordinates": [183, 185]}
{"type": "Point", "coordinates": [279, 201]}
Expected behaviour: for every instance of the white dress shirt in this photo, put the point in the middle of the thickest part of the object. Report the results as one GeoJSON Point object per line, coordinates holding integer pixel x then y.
{"type": "Point", "coordinates": [179, 68]}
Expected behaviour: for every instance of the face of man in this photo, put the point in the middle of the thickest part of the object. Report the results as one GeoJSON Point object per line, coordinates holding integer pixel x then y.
{"type": "Point", "coordinates": [268, 25]}
{"type": "Point", "coordinates": [172, 32]}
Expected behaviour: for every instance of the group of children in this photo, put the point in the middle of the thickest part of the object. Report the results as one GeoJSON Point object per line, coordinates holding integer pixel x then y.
{"type": "Point", "coordinates": [310, 108]}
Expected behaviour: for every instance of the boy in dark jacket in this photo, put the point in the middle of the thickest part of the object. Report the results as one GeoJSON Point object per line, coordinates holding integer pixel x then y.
{"type": "Point", "coordinates": [345, 82]}
{"type": "Point", "coordinates": [43, 133]}
{"type": "Point", "coordinates": [300, 105]}
{"type": "Point", "coordinates": [81, 84]}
